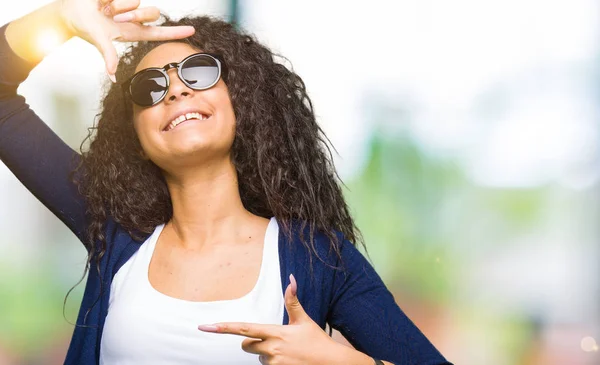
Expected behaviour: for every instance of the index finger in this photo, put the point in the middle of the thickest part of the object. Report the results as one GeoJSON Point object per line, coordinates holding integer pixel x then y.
{"type": "Point", "coordinates": [133, 32]}
{"type": "Point", "coordinates": [254, 330]}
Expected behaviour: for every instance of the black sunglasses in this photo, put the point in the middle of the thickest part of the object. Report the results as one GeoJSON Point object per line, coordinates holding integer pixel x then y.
{"type": "Point", "coordinates": [149, 86]}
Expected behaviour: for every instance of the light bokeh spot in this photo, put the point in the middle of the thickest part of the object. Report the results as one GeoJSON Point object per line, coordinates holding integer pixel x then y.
{"type": "Point", "coordinates": [588, 344]}
{"type": "Point", "coordinates": [49, 41]}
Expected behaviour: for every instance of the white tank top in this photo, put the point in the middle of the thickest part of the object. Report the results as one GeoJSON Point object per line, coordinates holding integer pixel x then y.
{"type": "Point", "coordinates": [144, 326]}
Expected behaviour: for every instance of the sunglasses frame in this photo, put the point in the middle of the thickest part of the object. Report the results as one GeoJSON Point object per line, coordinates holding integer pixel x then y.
{"type": "Point", "coordinates": [126, 86]}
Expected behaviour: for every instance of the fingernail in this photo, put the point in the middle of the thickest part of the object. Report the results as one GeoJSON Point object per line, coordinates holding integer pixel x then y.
{"type": "Point", "coordinates": [208, 327]}
{"type": "Point", "coordinates": [112, 78]}
{"type": "Point", "coordinates": [107, 10]}
{"type": "Point", "coordinates": [122, 18]}
{"type": "Point", "coordinates": [293, 284]}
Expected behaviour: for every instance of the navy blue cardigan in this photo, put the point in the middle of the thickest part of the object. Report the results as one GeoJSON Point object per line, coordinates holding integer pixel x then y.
{"type": "Point", "coordinates": [353, 300]}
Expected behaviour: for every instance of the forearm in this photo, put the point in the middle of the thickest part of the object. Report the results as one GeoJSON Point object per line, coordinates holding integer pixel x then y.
{"type": "Point", "coordinates": [32, 151]}
{"type": "Point", "coordinates": [29, 35]}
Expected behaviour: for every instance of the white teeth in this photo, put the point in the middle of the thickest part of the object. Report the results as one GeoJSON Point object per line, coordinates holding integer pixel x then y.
{"type": "Point", "coordinates": [185, 117]}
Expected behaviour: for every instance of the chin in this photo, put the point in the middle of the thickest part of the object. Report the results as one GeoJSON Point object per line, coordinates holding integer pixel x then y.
{"type": "Point", "coordinates": [197, 154]}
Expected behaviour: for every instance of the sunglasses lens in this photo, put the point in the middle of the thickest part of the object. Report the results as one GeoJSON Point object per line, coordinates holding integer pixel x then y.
{"type": "Point", "coordinates": [200, 72]}
{"type": "Point", "coordinates": [148, 87]}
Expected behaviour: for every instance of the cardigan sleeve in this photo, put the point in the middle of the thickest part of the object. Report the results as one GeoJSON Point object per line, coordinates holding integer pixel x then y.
{"type": "Point", "coordinates": [32, 151]}
{"type": "Point", "coordinates": [365, 312]}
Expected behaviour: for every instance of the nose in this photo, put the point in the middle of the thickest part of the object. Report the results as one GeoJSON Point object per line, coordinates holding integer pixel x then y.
{"type": "Point", "coordinates": [177, 89]}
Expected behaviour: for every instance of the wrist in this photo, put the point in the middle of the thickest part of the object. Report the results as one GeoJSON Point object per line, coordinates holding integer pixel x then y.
{"type": "Point", "coordinates": [345, 355]}
{"type": "Point", "coordinates": [32, 36]}
{"type": "Point", "coordinates": [63, 17]}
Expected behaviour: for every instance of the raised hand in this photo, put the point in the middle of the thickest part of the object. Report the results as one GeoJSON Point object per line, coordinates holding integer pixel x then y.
{"type": "Point", "coordinates": [102, 21]}
{"type": "Point", "coordinates": [302, 341]}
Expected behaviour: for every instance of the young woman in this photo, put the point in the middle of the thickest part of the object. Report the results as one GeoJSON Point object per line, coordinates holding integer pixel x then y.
{"type": "Point", "coordinates": [216, 230]}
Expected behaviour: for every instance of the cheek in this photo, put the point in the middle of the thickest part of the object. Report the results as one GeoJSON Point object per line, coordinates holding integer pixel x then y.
{"type": "Point", "coordinates": [136, 127]}
{"type": "Point", "coordinates": [140, 126]}
{"type": "Point", "coordinates": [231, 122]}
{"type": "Point", "coordinates": [229, 112]}
{"type": "Point", "coordinates": [141, 120]}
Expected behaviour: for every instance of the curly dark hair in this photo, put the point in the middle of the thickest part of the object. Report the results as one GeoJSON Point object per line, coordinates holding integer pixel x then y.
{"type": "Point", "coordinates": [280, 153]}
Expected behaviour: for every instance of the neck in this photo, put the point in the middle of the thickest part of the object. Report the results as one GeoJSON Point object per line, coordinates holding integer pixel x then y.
{"type": "Point", "coordinates": [207, 207]}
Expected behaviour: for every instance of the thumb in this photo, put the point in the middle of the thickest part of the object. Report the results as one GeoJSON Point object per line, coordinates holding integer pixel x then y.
{"type": "Point", "coordinates": [292, 304]}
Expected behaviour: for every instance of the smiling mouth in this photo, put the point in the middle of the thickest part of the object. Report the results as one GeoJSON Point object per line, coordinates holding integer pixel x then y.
{"type": "Point", "coordinates": [184, 118]}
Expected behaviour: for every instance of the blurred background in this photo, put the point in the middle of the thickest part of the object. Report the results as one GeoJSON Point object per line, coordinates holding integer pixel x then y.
{"type": "Point", "coordinates": [468, 138]}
